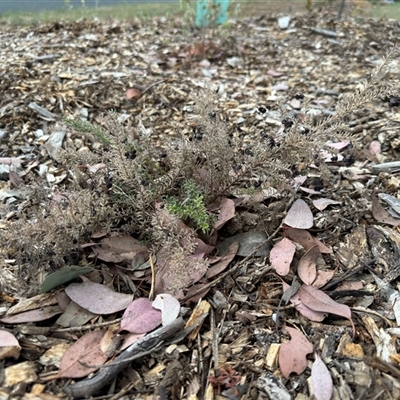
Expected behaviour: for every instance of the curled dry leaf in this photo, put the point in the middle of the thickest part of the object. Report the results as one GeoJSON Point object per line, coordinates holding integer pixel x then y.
{"type": "Point", "coordinates": [321, 380]}
{"type": "Point", "coordinates": [96, 298]}
{"type": "Point", "coordinates": [317, 300]}
{"type": "Point", "coordinates": [299, 215]}
{"type": "Point", "coordinates": [281, 256]}
{"type": "Point", "coordinates": [292, 354]}
{"type": "Point", "coordinates": [83, 357]}
{"type": "Point", "coordinates": [307, 269]}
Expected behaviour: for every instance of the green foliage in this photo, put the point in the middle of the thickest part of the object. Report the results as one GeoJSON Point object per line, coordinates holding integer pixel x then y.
{"type": "Point", "coordinates": [87, 127]}
{"type": "Point", "coordinates": [191, 208]}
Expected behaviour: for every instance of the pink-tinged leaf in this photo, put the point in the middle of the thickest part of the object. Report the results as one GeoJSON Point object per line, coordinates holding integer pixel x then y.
{"type": "Point", "coordinates": [292, 354]}
{"type": "Point", "coordinates": [375, 147]}
{"type": "Point", "coordinates": [11, 160]}
{"type": "Point", "coordinates": [169, 307]}
{"type": "Point", "coordinates": [329, 157]}
{"type": "Point", "coordinates": [97, 298]}
{"type": "Point", "coordinates": [307, 268]}
{"type": "Point", "coordinates": [226, 213]}
{"type": "Point", "coordinates": [303, 309]}
{"type": "Point", "coordinates": [133, 94]}
{"type": "Point", "coordinates": [299, 180]}
{"type": "Point", "coordinates": [296, 104]}
{"type": "Point", "coordinates": [9, 346]}
{"type": "Point", "coordinates": [281, 256]}
{"type": "Point", "coordinates": [308, 190]}
{"type": "Point", "coordinates": [321, 204]}
{"type": "Point", "coordinates": [273, 72]}
{"type": "Point", "coordinates": [83, 357]}
{"type": "Point", "coordinates": [317, 300]}
{"type": "Point", "coordinates": [140, 317]}
{"type": "Point", "coordinates": [280, 87]}
{"type": "Point", "coordinates": [95, 167]}
{"type": "Point", "coordinates": [223, 262]}
{"type": "Point", "coordinates": [305, 239]}
{"type": "Point", "coordinates": [338, 145]}
{"type": "Point", "coordinates": [323, 277]}
{"type": "Point", "coordinates": [41, 314]}
{"type": "Point", "coordinates": [321, 380]}
{"type": "Point", "coordinates": [299, 215]}
{"type": "Point", "coordinates": [130, 339]}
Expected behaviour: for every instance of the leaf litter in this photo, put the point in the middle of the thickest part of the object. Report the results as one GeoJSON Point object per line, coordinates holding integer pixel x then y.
{"type": "Point", "coordinates": [236, 328]}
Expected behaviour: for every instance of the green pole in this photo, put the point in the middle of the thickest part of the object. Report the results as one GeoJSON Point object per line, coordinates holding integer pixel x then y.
{"type": "Point", "coordinates": [206, 9]}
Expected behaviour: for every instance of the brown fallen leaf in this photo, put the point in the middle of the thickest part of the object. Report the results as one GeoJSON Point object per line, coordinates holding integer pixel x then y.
{"type": "Point", "coordinates": [305, 239]}
{"type": "Point", "coordinates": [307, 268]}
{"type": "Point", "coordinates": [83, 357]}
{"type": "Point", "coordinates": [317, 300]}
{"type": "Point", "coordinates": [226, 212]}
{"type": "Point", "coordinates": [223, 262]}
{"type": "Point", "coordinates": [292, 354]}
{"type": "Point", "coordinates": [381, 214]}
{"type": "Point", "coordinates": [312, 315]}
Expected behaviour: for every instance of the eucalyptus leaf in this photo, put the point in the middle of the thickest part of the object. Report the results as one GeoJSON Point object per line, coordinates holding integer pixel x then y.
{"type": "Point", "coordinates": [62, 276]}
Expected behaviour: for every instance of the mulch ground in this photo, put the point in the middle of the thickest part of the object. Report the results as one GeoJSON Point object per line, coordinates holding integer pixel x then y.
{"type": "Point", "coordinates": [149, 70]}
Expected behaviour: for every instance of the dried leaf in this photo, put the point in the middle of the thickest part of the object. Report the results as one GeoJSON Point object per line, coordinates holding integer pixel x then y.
{"type": "Point", "coordinates": [123, 244]}
{"type": "Point", "coordinates": [292, 354]}
{"type": "Point", "coordinates": [41, 314]}
{"type": "Point", "coordinates": [133, 94]}
{"type": "Point", "coordinates": [307, 269]}
{"type": "Point", "coordinates": [83, 357]}
{"type": "Point", "coordinates": [303, 309]}
{"type": "Point", "coordinates": [322, 203]}
{"type": "Point", "coordinates": [223, 262]}
{"type": "Point", "coordinates": [96, 298]}
{"type": "Point", "coordinates": [169, 307]}
{"type": "Point", "coordinates": [140, 317]}
{"type": "Point", "coordinates": [317, 300]}
{"type": "Point", "coordinates": [375, 147]}
{"type": "Point", "coordinates": [281, 256]}
{"type": "Point", "coordinates": [321, 380]}
{"type": "Point", "coordinates": [174, 274]}
{"type": "Point", "coordinates": [305, 239]}
{"type": "Point", "coordinates": [226, 213]}
{"type": "Point", "coordinates": [299, 215]}
{"type": "Point", "coordinates": [323, 277]}
{"type": "Point", "coordinates": [9, 346]}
